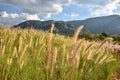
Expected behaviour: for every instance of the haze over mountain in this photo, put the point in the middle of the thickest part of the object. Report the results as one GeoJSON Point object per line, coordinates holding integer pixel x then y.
{"type": "Point", "coordinates": [108, 24]}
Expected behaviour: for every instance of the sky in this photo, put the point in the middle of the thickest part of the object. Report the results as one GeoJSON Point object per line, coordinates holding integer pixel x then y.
{"type": "Point", "coordinates": [15, 11]}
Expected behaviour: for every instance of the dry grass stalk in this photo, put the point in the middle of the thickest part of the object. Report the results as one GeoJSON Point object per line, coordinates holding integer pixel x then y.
{"type": "Point", "coordinates": [76, 37]}
{"type": "Point", "coordinates": [55, 55]}
{"type": "Point", "coordinates": [87, 51]}
{"type": "Point", "coordinates": [15, 52]}
{"type": "Point", "coordinates": [90, 54]}
{"type": "Point", "coordinates": [42, 39]}
{"type": "Point", "coordinates": [107, 39]}
{"type": "Point", "coordinates": [73, 49]}
{"type": "Point", "coordinates": [9, 61]}
{"type": "Point", "coordinates": [53, 60]}
{"type": "Point", "coordinates": [20, 43]}
{"type": "Point", "coordinates": [67, 57]}
{"type": "Point", "coordinates": [3, 51]}
{"type": "Point", "coordinates": [89, 46]}
{"type": "Point", "coordinates": [23, 52]}
{"type": "Point", "coordinates": [76, 51]}
{"type": "Point", "coordinates": [1, 41]}
{"type": "Point", "coordinates": [42, 47]}
{"type": "Point", "coordinates": [49, 47]}
{"type": "Point", "coordinates": [21, 64]}
{"type": "Point", "coordinates": [76, 34]}
{"type": "Point", "coordinates": [103, 59]}
{"type": "Point", "coordinates": [100, 56]}
{"type": "Point", "coordinates": [95, 51]}
{"type": "Point", "coordinates": [31, 40]}
{"type": "Point", "coordinates": [63, 55]}
{"type": "Point", "coordinates": [3, 72]}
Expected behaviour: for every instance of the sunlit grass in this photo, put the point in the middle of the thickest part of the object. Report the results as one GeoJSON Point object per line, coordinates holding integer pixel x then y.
{"type": "Point", "coordinates": [36, 55]}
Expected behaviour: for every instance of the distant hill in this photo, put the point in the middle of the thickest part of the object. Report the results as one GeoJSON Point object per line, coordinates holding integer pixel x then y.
{"type": "Point", "coordinates": [107, 24]}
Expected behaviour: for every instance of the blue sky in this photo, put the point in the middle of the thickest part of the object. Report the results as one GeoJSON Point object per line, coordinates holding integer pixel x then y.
{"type": "Point", "coordinates": [14, 11]}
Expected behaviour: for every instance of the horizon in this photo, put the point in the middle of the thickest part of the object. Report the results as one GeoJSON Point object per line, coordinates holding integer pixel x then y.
{"type": "Point", "coordinates": [14, 12]}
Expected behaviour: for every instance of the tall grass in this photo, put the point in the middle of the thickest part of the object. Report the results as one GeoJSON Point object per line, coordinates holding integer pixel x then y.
{"type": "Point", "coordinates": [36, 55]}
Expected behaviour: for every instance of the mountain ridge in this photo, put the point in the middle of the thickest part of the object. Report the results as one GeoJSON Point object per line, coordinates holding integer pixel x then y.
{"type": "Point", "coordinates": [108, 24]}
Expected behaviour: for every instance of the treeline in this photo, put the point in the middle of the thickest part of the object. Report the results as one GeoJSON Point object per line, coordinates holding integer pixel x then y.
{"type": "Point", "coordinates": [99, 37]}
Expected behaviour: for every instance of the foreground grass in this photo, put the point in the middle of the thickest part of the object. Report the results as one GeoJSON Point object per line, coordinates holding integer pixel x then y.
{"type": "Point", "coordinates": [37, 55]}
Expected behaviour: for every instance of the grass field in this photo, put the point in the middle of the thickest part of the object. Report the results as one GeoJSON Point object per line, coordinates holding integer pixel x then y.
{"type": "Point", "coordinates": [36, 55]}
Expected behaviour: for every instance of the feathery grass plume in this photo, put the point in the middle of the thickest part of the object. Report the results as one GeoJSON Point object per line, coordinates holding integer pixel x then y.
{"type": "Point", "coordinates": [9, 61]}
{"type": "Point", "coordinates": [63, 54]}
{"type": "Point", "coordinates": [23, 52]}
{"type": "Point", "coordinates": [42, 39]}
{"type": "Point", "coordinates": [3, 72]}
{"type": "Point", "coordinates": [87, 69]}
{"type": "Point", "coordinates": [87, 52]}
{"type": "Point", "coordinates": [49, 47]}
{"type": "Point", "coordinates": [1, 41]}
{"type": "Point", "coordinates": [90, 54]}
{"type": "Point", "coordinates": [111, 59]}
{"type": "Point", "coordinates": [67, 57]}
{"type": "Point", "coordinates": [31, 40]}
{"type": "Point", "coordinates": [76, 51]}
{"type": "Point", "coordinates": [73, 47]}
{"type": "Point", "coordinates": [42, 47]}
{"type": "Point", "coordinates": [106, 58]}
{"type": "Point", "coordinates": [15, 52]}
{"type": "Point", "coordinates": [96, 50]}
{"type": "Point", "coordinates": [103, 59]}
{"type": "Point", "coordinates": [108, 45]}
{"type": "Point", "coordinates": [89, 46]}
{"type": "Point", "coordinates": [107, 39]}
{"type": "Point", "coordinates": [53, 61]}
{"type": "Point", "coordinates": [20, 43]}
{"type": "Point", "coordinates": [3, 50]}
{"type": "Point", "coordinates": [21, 64]}
{"type": "Point", "coordinates": [36, 42]}
{"type": "Point", "coordinates": [100, 56]}
{"type": "Point", "coordinates": [76, 37]}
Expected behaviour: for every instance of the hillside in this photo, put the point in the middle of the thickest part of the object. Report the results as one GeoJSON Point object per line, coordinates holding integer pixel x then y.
{"type": "Point", "coordinates": [107, 24]}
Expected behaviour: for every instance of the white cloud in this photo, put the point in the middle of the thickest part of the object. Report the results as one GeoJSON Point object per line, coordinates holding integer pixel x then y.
{"type": "Point", "coordinates": [14, 18]}
{"type": "Point", "coordinates": [4, 14]}
{"type": "Point", "coordinates": [41, 7]}
{"type": "Point", "coordinates": [29, 16]}
{"type": "Point", "coordinates": [91, 2]}
{"type": "Point", "coordinates": [46, 8]}
{"type": "Point", "coordinates": [74, 15]}
{"type": "Point", "coordinates": [107, 9]}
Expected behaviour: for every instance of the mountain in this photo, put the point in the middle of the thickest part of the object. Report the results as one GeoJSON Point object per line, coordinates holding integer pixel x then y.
{"type": "Point", "coordinates": [108, 24]}
{"type": "Point", "coordinates": [61, 27]}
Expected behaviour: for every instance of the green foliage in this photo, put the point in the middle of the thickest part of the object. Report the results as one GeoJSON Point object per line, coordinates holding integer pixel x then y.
{"type": "Point", "coordinates": [36, 55]}
{"type": "Point", "coordinates": [99, 37]}
{"type": "Point", "coordinates": [116, 39]}
{"type": "Point", "coordinates": [87, 35]}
